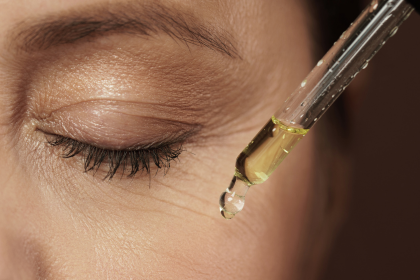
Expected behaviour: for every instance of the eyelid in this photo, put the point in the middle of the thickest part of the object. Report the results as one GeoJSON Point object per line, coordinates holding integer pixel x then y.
{"type": "Point", "coordinates": [108, 125]}
{"type": "Point", "coordinates": [93, 130]}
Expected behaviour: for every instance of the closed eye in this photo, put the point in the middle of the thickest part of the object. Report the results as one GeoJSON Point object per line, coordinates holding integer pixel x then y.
{"type": "Point", "coordinates": [127, 161]}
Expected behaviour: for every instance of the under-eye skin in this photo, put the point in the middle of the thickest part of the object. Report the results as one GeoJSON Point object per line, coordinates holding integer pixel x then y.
{"type": "Point", "coordinates": [128, 161]}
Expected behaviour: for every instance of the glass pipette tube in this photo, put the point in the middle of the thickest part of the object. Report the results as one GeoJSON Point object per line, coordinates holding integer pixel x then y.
{"type": "Point", "coordinates": [316, 93]}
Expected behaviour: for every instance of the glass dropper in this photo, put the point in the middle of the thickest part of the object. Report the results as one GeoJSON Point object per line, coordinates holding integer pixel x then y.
{"type": "Point", "coordinates": [317, 92]}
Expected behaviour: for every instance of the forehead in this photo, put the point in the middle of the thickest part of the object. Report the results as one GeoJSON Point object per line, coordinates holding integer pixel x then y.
{"type": "Point", "coordinates": [234, 16]}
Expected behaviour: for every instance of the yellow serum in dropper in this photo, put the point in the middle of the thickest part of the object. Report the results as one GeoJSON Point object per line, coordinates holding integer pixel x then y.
{"type": "Point", "coordinates": [257, 161]}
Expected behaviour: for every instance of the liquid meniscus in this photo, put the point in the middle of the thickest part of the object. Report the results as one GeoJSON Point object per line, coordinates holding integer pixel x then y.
{"type": "Point", "coordinates": [257, 161]}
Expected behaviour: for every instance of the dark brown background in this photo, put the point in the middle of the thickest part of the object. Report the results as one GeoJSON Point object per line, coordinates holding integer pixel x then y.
{"type": "Point", "coordinates": [380, 236]}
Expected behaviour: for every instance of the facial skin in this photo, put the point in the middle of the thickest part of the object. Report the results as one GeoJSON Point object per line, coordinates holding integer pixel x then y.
{"type": "Point", "coordinates": [119, 89]}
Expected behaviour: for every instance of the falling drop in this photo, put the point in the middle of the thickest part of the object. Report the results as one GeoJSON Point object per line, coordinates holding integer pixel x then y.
{"type": "Point", "coordinates": [232, 201]}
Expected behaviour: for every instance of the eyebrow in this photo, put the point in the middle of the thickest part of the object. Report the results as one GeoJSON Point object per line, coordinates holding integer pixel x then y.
{"type": "Point", "coordinates": [144, 19]}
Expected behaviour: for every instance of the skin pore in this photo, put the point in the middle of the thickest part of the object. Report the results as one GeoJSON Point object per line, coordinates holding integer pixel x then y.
{"type": "Point", "coordinates": [118, 84]}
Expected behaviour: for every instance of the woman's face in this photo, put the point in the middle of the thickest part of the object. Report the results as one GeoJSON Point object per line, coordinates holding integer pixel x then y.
{"type": "Point", "coordinates": [148, 75]}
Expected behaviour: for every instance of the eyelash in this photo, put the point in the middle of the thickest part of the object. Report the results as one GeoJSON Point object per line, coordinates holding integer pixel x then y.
{"type": "Point", "coordinates": [138, 159]}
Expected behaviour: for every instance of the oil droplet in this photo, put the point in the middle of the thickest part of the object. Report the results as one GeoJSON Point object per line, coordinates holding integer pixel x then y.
{"type": "Point", "coordinates": [315, 119]}
{"type": "Point", "coordinates": [274, 129]}
{"type": "Point", "coordinates": [303, 103]}
{"type": "Point", "coordinates": [287, 109]}
{"type": "Point", "coordinates": [393, 31]}
{"type": "Point", "coordinates": [301, 116]}
{"type": "Point", "coordinates": [286, 151]}
{"type": "Point", "coordinates": [333, 95]}
{"type": "Point", "coordinates": [303, 83]}
{"type": "Point", "coordinates": [320, 62]}
{"type": "Point", "coordinates": [323, 109]}
{"type": "Point", "coordinates": [232, 201]}
{"type": "Point", "coordinates": [365, 65]}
